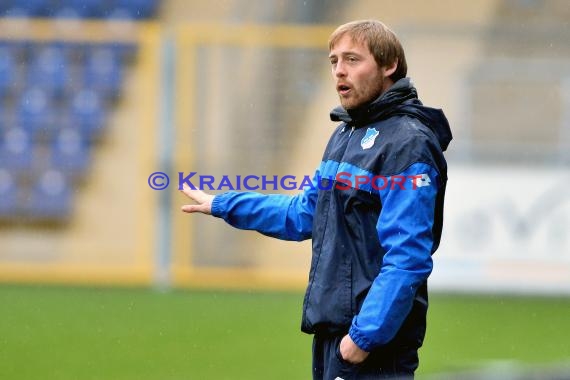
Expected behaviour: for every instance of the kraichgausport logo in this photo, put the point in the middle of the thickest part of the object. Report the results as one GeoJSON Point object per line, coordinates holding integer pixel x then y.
{"type": "Point", "coordinates": [369, 138]}
{"type": "Point", "coordinates": [343, 180]}
{"type": "Point", "coordinates": [421, 180]}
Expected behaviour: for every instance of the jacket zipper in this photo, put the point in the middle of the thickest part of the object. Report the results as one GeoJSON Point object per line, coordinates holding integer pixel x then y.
{"type": "Point", "coordinates": [314, 270]}
{"type": "Point", "coordinates": [351, 130]}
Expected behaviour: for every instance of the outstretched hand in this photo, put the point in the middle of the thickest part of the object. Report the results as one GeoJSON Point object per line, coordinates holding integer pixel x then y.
{"type": "Point", "coordinates": [203, 201]}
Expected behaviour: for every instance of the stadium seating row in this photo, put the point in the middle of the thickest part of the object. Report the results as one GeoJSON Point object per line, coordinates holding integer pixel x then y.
{"type": "Point", "coordinates": [48, 198]}
{"type": "Point", "coordinates": [61, 68]}
{"type": "Point", "coordinates": [110, 9]}
{"type": "Point", "coordinates": [41, 116]}
{"type": "Point", "coordinates": [68, 151]}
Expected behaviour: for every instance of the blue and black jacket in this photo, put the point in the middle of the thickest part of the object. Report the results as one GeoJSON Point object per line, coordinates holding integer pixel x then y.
{"type": "Point", "coordinates": [374, 214]}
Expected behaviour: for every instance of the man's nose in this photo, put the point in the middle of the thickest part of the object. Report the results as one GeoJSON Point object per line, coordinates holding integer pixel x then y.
{"type": "Point", "coordinates": [340, 70]}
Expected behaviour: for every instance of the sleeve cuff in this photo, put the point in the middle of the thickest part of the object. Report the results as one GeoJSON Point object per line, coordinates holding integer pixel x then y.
{"type": "Point", "coordinates": [217, 206]}
{"type": "Point", "coordinates": [360, 340]}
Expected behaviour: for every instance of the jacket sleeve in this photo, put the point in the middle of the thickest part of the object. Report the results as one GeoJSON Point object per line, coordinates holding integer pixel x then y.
{"type": "Point", "coordinates": [281, 216]}
{"type": "Point", "coordinates": [405, 234]}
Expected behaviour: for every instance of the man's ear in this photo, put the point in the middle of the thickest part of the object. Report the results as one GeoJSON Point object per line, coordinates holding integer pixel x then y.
{"type": "Point", "coordinates": [390, 69]}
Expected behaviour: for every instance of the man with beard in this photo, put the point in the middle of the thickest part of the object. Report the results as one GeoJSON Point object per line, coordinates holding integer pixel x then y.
{"type": "Point", "coordinates": [374, 213]}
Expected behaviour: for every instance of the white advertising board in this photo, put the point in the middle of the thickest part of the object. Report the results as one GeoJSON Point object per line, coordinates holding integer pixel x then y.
{"type": "Point", "coordinates": [506, 229]}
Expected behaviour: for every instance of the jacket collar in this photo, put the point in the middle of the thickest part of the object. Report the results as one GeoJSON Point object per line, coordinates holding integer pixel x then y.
{"type": "Point", "coordinates": [402, 91]}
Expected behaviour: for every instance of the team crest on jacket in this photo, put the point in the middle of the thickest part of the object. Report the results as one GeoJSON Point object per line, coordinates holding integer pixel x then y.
{"type": "Point", "coordinates": [368, 140]}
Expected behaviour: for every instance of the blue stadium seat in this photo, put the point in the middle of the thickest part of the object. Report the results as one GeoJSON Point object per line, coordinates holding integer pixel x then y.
{"type": "Point", "coordinates": [49, 68]}
{"type": "Point", "coordinates": [16, 150]}
{"type": "Point", "coordinates": [35, 112]}
{"type": "Point", "coordinates": [80, 9]}
{"type": "Point", "coordinates": [19, 51]}
{"type": "Point", "coordinates": [70, 153]}
{"type": "Point", "coordinates": [88, 113]}
{"type": "Point", "coordinates": [9, 205]}
{"type": "Point", "coordinates": [103, 71]}
{"type": "Point", "coordinates": [50, 198]}
{"type": "Point", "coordinates": [133, 9]}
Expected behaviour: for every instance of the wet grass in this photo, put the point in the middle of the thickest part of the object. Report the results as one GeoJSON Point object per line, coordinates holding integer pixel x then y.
{"type": "Point", "coordinates": [92, 333]}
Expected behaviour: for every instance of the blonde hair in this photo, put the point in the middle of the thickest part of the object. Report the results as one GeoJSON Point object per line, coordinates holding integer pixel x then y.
{"type": "Point", "coordinates": [381, 41]}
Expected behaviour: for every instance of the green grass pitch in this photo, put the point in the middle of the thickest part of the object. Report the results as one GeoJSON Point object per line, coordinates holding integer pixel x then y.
{"type": "Point", "coordinates": [92, 333]}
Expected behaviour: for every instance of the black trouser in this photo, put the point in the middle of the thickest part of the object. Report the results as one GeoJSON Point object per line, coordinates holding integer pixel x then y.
{"type": "Point", "coordinates": [385, 363]}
